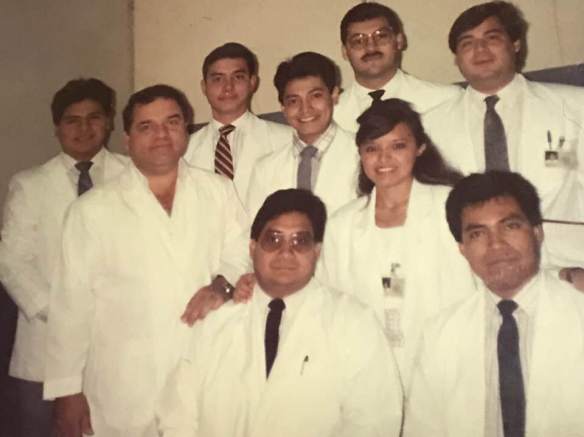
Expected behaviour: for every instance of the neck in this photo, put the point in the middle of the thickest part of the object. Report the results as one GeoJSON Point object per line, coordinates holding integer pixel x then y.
{"type": "Point", "coordinates": [375, 83]}
{"type": "Point", "coordinates": [391, 205]}
{"type": "Point", "coordinates": [491, 87]}
{"type": "Point", "coordinates": [163, 186]}
{"type": "Point", "coordinates": [227, 118]}
{"type": "Point", "coordinates": [84, 157]}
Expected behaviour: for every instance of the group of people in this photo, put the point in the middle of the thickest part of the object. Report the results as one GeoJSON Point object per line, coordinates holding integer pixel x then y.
{"type": "Point", "coordinates": [352, 280]}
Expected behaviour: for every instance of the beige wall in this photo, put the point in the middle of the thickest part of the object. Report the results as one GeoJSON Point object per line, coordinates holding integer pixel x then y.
{"type": "Point", "coordinates": [173, 37]}
{"type": "Point", "coordinates": [43, 44]}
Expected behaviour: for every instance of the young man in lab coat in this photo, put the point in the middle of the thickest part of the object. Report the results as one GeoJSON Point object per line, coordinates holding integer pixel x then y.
{"type": "Point", "coordinates": [133, 252]}
{"type": "Point", "coordinates": [507, 361]}
{"type": "Point", "coordinates": [298, 359]}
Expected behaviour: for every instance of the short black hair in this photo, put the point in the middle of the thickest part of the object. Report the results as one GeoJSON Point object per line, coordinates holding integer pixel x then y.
{"type": "Point", "coordinates": [291, 200]}
{"type": "Point", "coordinates": [479, 188]}
{"type": "Point", "coordinates": [510, 17]}
{"type": "Point", "coordinates": [151, 93]}
{"type": "Point", "coordinates": [80, 89]}
{"type": "Point", "coordinates": [231, 50]}
{"type": "Point", "coordinates": [303, 65]}
{"type": "Point", "coordinates": [381, 118]}
{"type": "Point", "coordinates": [368, 11]}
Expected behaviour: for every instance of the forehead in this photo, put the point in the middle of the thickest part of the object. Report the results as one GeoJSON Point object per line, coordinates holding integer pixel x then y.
{"type": "Point", "coordinates": [303, 85]}
{"type": "Point", "coordinates": [367, 26]}
{"type": "Point", "coordinates": [289, 222]}
{"type": "Point", "coordinates": [228, 66]}
{"type": "Point", "coordinates": [83, 107]}
{"type": "Point", "coordinates": [492, 211]}
{"type": "Point", "coordinates": [490, 24]}
{"type": "Point", "coordinates": [159, 108]}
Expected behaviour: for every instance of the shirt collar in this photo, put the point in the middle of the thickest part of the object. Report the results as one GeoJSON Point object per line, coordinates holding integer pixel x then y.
{"type": "Point", "coordinates": [293, 301]}
{"type": "Point", "coordinates": [238, 123]}
{"type": "Point", "coordinates": [98, 161]}
{"type": "Point", "coordinates": [390, 88]}
{"type": "Point", "coordinates": [525, 298]}
{"type": "Point", "coordinates": [322, 143]}
{"type": "Point", "coordinates": [507, 95]}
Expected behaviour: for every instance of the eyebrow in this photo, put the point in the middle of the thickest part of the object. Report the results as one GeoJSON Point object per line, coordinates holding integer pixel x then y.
{"type": "Point", "coordinates": [512, 216]}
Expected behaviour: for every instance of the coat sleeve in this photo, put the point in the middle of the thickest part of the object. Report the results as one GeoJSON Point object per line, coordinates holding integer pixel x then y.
{"type": "Point", "coordinates": [372, 397]}
{"type": "Point", "coordinates": [72, 306]}
{"type": "Point", "coordinates": [19, 270]}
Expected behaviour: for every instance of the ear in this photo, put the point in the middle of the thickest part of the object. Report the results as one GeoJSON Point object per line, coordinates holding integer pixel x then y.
{"type": "Point", "coordinates": [421, 149]}
{"type": "Point", "coordinates": [204, 87]}
{"type": "Point", "coordinates": [127, 141]}
{"type": "Point", "coordinates": [344, 52]}
{"type": "Point", "coordinates": [517, 46]}
{"type": "Point", "coordinates": [539, 236]}
{"type": "Point", "coordinates": [335, 95]}
{"type": "Point", "coordinates": [461, 249]}
{"type": "Point", "coordinates": [254, 80]}
{"type": "Point", "coordinates": [400, 41]}
{"type": "Point", "coordinates": [317, 248]}
{"type": "Point", "coordinates": [252, 248]}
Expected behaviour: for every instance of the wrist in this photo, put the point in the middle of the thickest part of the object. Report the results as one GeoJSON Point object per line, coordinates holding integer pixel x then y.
{"type": "Point", "coordinates": [222, 287]}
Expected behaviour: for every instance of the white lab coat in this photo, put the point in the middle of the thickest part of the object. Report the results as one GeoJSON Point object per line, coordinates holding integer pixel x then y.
{"type": "Point", "coordinates": [448, 387]}
{"type": "Point", "coordinates": [436, 273]}
{"type": "Point", "coordinates": [127, 271]}
{"type": "Point", "coordinates": [421, 94]}
{"type": "Point", "coordinates": [33, 214]}
{"type": "Point", "coordinates": [348, 385]}
{"type": "Point", "coordinates": [336, 183]}
{"type": "Point", "coordinates": [255, 138]}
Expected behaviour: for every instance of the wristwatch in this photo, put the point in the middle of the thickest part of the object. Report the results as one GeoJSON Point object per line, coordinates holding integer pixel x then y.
{"type": "Point", "coordinates": [223, 287]}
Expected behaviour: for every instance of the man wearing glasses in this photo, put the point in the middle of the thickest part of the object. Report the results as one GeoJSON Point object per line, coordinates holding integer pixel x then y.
{"type": "Point", "coordinates": [373, 40]}
{"type": "Point", "coordinates": [296, 360]}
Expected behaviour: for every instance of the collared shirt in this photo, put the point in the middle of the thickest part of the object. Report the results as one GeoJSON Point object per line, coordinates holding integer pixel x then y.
{"type": "Point", "coordinates": [524, 316]}
{"type": "Point", "coordinates": [236, 137]}
{"type": "Point", "coordinates": [391, 89]}
{"type": "Point", "coordinates": [509, 107]}
{"type": "Point", "coordinates": [322, 144]}
{"type": "Point", "coordinates": [96, 171]}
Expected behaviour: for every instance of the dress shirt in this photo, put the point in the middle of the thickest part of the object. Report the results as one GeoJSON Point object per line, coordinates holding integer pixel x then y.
{"type": "Point", "coordinates": [391, 89]}
{"type": "Point", "coordinates": [524, 316]}
{"type": "Point", "coordinates": [322, 144]}
{"type": "Point", "coordinates": [235, 138]}
{"type": "Point", "coordinates": [96, 171]}
{"type": "Point", "coordinates": [509, 107]}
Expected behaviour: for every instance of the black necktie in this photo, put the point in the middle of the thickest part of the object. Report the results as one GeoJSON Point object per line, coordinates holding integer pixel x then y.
{"type": "Point", "coordinates": [376, 95]}
{"type": "Point", "coordinates": [510, 378]}
{"type": "Point", "coordinates": [84, 182]}
{"type": "Point", "coordinates": [496, 155]}
{"type": "Point", "coordinates": [273, 332]}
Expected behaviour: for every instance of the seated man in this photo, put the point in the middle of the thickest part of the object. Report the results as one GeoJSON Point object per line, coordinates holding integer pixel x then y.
{"type": "Point", "coordinates": [506, 361]}
{"type": "Point", "coordinates": [297, 360]}
{"type": "Point", "coordinates": [235, 138]}
{"type": "Point", "coordinates": [322, 157]}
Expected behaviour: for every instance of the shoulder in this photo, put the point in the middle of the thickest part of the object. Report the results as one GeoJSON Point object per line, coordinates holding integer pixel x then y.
{"type": "Point", "coordinates": [448, 322]}
{"type": "Point", "coordinates": [344, 310]}
{"type": "Point", "coordinates": [33, 176]}
{"type": "Point", "coordinates": [346, 96]}
{"type": "Point", "coordinates": [562, 292]}
{"type": "Point", "coordinates": [445, 109]}
{"type": "Point", "coordinates": [282, 154]}
{"type": "Point", "coordinates": [446, 89]}
{"type": "Point", "coordinates": [346, 213]}
{"type": "Point", "coordinates": [197, 136]}
{"type": "Point", "coordinates": [206, 179]}
{"type": "Point", "coordinates": [566, 96]}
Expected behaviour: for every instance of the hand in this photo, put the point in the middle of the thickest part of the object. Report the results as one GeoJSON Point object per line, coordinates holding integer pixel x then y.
{"type": "Point", "coordinates": [244, 288]}
{"type": "Point", "coordinates": [203, 301]}
{"type": "Point", "coordinates": [574, 275]}
{"type": "Point", "coordinates": [72, 416]}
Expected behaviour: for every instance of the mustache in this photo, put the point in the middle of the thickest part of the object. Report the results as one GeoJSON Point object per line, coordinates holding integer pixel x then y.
{"type": "Point", "coordinates": [370, 55]}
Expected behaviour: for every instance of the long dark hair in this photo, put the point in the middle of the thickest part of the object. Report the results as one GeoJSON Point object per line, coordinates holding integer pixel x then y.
{"type": "Point", "coordinates": [381, 118]}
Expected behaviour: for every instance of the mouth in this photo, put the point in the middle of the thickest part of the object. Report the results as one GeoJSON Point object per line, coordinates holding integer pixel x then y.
{"type": "Point", "coordinates": [307, 119]}
{"type": "Point", "coordinates": [371, 56]}
{"type": "Point", "coordinates": [385, 169]}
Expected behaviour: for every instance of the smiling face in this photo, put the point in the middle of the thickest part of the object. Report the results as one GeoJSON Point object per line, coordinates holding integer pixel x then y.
{"type": "Point", "coordinates": [500, 244]}
{"type": "Point", "coordinates": [388, 161]}
{"type": "Point", "coordinates": [376, 61]}
{"type": "Point", "coordinates": [284, 268]}
{"type": "Point", "coordinates": [308, 105]}
{"type": "Point", "coordinates": [229, 87]}
{"type": "Point", "coordinates": [486, 56]}
{"type": "Point", "coordinates": [83, 129]}
{"type": "Point", "coordinates": [157, 137]}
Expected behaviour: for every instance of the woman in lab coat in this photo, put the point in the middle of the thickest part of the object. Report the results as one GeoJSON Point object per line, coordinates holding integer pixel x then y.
{"type": "Point", "coordinates": [391, 247]}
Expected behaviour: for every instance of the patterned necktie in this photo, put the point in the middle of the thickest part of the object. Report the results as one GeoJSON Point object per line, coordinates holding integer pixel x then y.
{"type": "Point", "coordinates": [511, 389]}
{"type": "Point", "coordinates": [84, 182]}
{"type": "Point", "coordinates": [272, 336]}
{"type": "Point", "coordinates": [223, 157]}
{"type": "Point", "coordinates": [376, 95]}
{"type": "Point", "coordinates": [304, 178]}
{"type": "Point", "coordinates": [496, 155]}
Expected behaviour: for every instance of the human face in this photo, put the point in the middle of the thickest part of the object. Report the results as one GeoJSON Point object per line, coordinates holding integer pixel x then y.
{"type": "Point", "coordinates": [375, 63]}
{"type": "Point", "coordinates": [83, 129]}
{"type": "Point", "coordinates": [486, 56]}
{"type": "Point", "coordinates": [288, 268]}
{"type": "Point", "coordinates": [158, 136]}
{"type": "Point", "coordinates": [229, 88]}
{"type": "Point", "coordinates": [308, 105]}
{"type": "Point", "coordinates": [500, 244]}
{"type": "Point", "coordinates": [388, 161]}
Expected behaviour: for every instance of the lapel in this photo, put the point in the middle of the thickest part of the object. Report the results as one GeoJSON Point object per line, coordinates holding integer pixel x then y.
{"type": "Point", "coordinates": [113, 165]}
{"type": "Point", "coordinates": [201, 150]}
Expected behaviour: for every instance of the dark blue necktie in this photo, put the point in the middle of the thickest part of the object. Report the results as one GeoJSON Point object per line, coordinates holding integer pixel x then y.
{"type": "Point", "coordinates": [273, 332]}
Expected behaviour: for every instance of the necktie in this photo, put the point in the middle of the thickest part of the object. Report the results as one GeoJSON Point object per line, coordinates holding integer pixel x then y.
{"type": "Point", "coordinates": [304, 178]}
{"type": "Point", "coordinates": [273, 332]}
{"type": "Point", "coordinates": [84, 182]}
{"type": "Point", "coordinates": [510, 378]}
{"type": "Point", "coordinates": [496, 156]}
{"type": "Point", "coordinates": [376, 95]}
{"type": "Point", "coordinates": [223, 157]}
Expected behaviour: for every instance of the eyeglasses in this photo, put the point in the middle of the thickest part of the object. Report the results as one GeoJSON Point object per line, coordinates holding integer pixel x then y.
{"type": "Point", "coordinates": [379, 37]}
{"type": "Point", "coordinates": [299, 242]}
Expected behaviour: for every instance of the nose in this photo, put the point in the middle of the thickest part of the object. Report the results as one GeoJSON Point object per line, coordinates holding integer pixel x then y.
{"type": "Point", "coordinates": [229, 84]}
{"type": "Point", "coordinates": [162, 131]}
{"type": "Point", "coordinates": [480, 44]}
{"type": "Point", "coordinates": [496, 239]}
{"type": "Point", "coordinates": [286, 249]}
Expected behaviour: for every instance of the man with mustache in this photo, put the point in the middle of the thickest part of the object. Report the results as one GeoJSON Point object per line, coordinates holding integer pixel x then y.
{"type": "Point", "coordinates": [373, 41]}
{"type": "Point", "coordinates": [506, 361]}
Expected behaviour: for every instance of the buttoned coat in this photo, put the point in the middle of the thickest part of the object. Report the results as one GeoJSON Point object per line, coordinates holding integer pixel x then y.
{"type": "Point", "coordinates": [33, 214]}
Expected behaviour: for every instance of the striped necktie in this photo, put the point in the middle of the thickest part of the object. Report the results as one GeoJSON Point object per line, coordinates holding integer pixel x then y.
{"type": "Point", "coordinates": [223, 157]}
